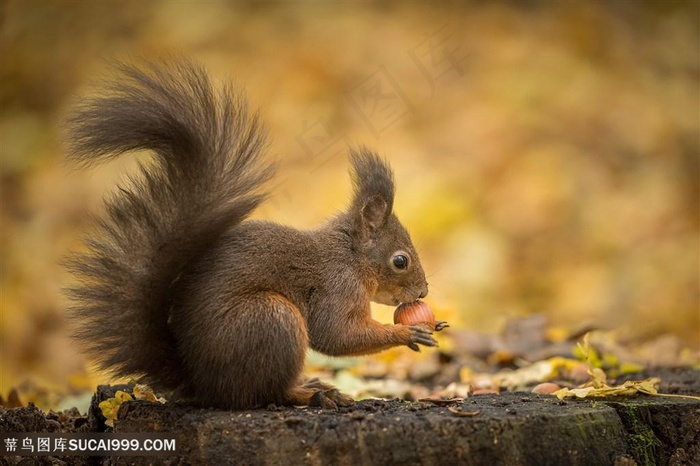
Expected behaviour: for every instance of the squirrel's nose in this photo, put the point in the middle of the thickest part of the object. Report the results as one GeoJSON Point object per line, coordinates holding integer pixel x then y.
{"type": "Point", "coordinates": [424, 292]}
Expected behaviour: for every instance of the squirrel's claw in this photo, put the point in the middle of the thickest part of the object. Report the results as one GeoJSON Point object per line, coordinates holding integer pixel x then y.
{"type": "Point", "coordinates": [421, 334]}
{"type": "Point", "coordinates": [320, 400]}
{"type": "Point", "coordinates": [340, 399]}
{"type": "Point", "coordinates": [440, 325]}
{"type": "Point", "coordinates": [330, 399]}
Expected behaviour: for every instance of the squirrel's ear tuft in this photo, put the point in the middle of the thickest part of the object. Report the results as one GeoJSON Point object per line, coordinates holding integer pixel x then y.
{"type": "Point", "coordinates": [371, 177]}
{"type": "Point", "coordinates": [374, 189]}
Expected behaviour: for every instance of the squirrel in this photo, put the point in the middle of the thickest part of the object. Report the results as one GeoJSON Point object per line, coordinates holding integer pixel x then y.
{"type": "Point", "coordinates": [179, 289]}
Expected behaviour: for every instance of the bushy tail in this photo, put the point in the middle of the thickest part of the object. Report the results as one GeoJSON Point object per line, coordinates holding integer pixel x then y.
{"type": "Point", "coordinates": [206, 177]}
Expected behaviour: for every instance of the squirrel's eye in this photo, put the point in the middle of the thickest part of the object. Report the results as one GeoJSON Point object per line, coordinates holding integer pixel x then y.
{"type": "Point", "coordinates": [400, 261]}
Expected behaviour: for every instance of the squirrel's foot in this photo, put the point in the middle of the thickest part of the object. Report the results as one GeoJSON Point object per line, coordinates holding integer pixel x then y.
{"type": "Point", "coordinates": [421, 334]}
{"type": "Point", "coordinates": [329, 391]}
{"type": "Point", "coordinates": [330, 399]}
{"type": "Point", "coordinates": [318, 394]}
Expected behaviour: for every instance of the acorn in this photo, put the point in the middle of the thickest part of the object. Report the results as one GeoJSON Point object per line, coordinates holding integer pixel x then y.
{"type": "Point", "coordinates": [416, 312]}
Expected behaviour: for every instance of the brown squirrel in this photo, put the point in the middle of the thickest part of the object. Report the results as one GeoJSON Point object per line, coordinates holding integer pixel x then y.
{"type": "Point", "coordinates": [177, 289]}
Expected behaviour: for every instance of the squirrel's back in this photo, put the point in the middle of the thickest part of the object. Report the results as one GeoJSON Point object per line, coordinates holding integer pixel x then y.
{"type": "Point", "coordinates": [206, 177]}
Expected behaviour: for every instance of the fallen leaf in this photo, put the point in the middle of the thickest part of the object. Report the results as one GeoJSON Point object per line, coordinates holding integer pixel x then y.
{"type": "Point", "coordinates": [631, 387]}
{"type": "Point", "coordinates": [460, 413]}
{"type": "Point", "coordinates": [110, 406]}
{"type": "Point", "coordinates": [144, 392]}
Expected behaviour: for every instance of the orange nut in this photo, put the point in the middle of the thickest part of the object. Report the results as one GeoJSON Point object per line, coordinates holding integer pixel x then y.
{"type": "Point", "coordinates": [415, 312]}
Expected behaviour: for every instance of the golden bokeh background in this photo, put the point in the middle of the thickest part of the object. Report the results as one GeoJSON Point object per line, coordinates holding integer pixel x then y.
{"type": "Point", "coordinates": [546, 152]}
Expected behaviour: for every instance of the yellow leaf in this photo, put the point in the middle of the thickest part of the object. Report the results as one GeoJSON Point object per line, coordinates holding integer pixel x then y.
{"type": "Point", "coordinates": [466, 374]}
{"type": "Point", "coordinates": [144, 392]}
{"type": "Point", "coordinates": [630, 367]}
{"type": "Point", "coordinates": [582, 392]}
{"type": "Point", "coordinates": [631, 387]}
{"type": "Point", "coordinates": [598, 377]}
{"type": "Point", "coordinates": [122, 396]}
{"type": "Point", "coordinates": [110, 406]}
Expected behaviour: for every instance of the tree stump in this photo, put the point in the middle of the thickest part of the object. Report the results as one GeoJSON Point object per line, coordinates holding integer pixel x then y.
{"type": "Point", "coordinates": [510, 428]}
{"type": "Point", "coordinates": [518, 428]}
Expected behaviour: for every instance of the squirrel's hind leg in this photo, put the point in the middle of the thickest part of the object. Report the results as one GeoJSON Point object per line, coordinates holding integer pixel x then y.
{"type": "Point", "coordinates": [247, 355]}
{"type": "Point", "coordinates": [252, 354]}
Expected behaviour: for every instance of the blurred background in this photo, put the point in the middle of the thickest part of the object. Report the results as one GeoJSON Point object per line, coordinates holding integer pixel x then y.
{"type": "Point", "coordinates": [546, 153]}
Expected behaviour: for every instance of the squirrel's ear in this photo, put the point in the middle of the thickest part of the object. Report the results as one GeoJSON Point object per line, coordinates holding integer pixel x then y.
{"type": "Point", "coordinates": [374, 192]}
{"type": "Point", "coordinates": [374, 189]}
{"type": "Point", "coordinates": [374, 213]}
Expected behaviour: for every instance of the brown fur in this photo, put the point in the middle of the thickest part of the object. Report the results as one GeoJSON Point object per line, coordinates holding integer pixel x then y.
{"type": "Point", "coordinates": [179, 290]}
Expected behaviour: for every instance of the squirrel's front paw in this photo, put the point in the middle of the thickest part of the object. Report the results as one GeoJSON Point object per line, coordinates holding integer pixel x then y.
{"type": "Point", "coordinates": [421, 334]}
